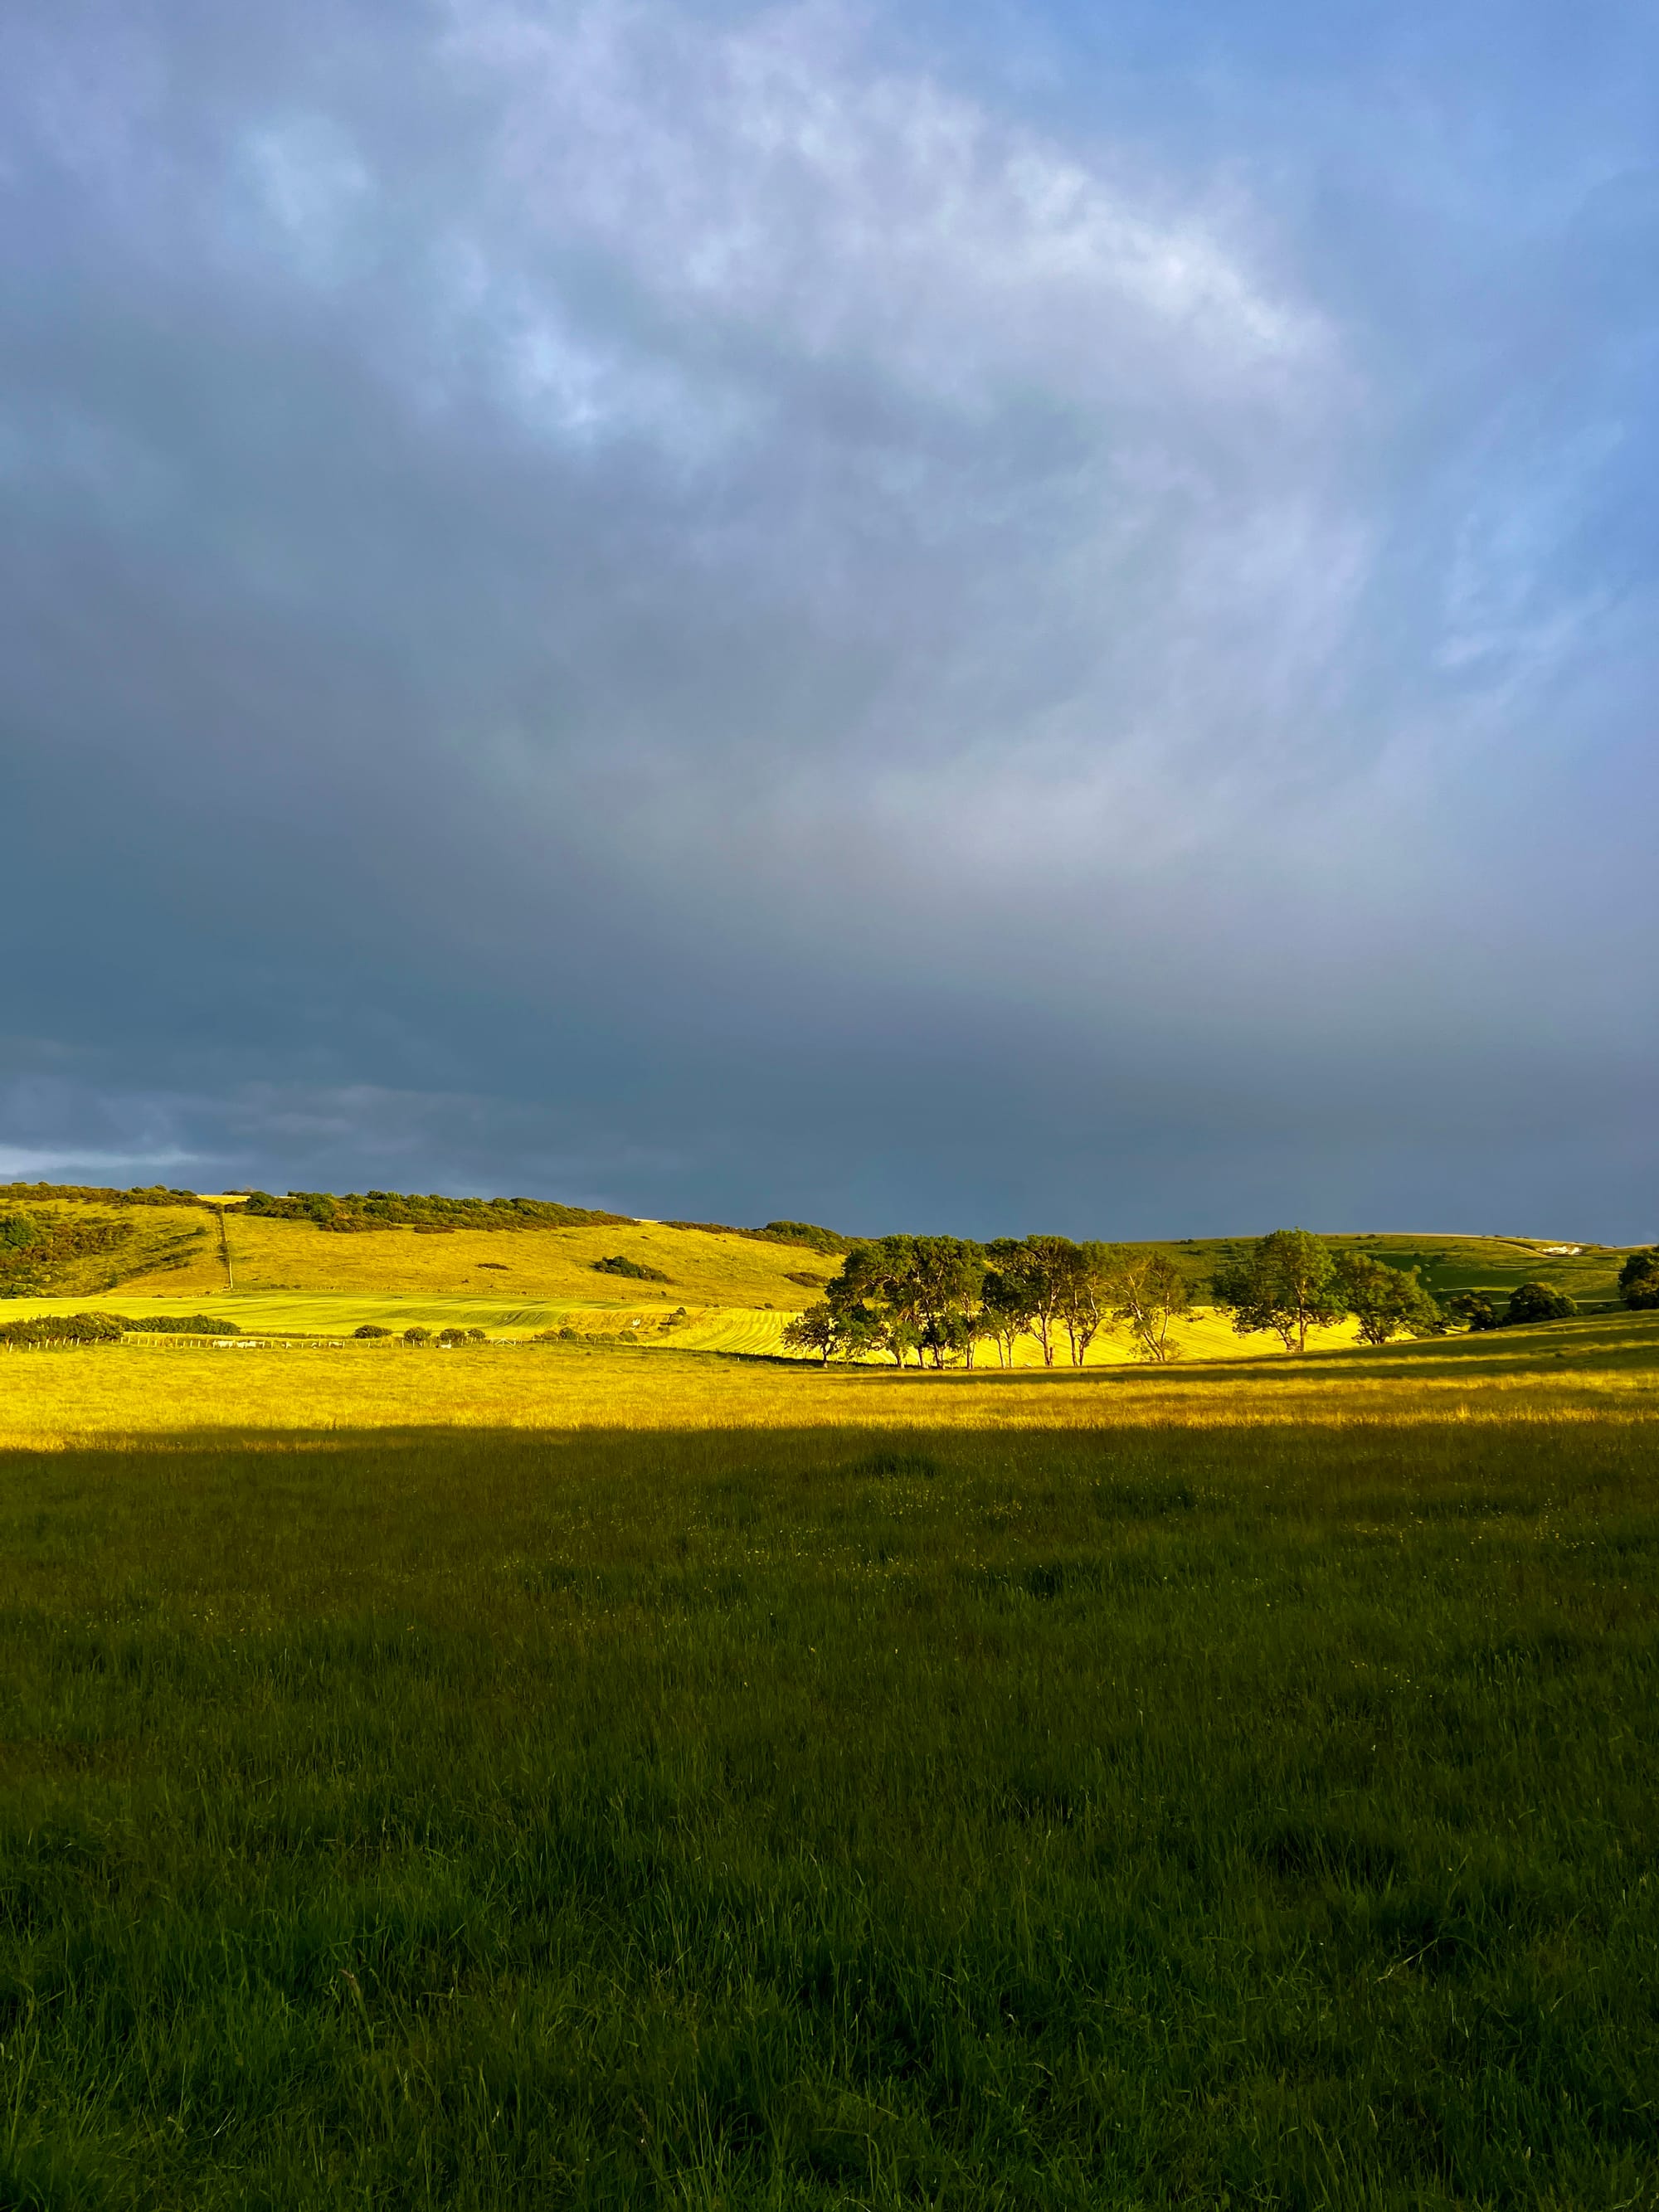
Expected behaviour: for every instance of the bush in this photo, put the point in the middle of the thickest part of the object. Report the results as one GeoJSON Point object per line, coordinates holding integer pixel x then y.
{"type": "Point", "coordinates": [1539, 1301]}
{"type": "Point", "coordinates": [633, 1269]}
{"type": "Point", "coordinates": [1639, 1280]}
{"type": "Point", "coordinates": [418, 1335]}
{"type": "Point", "coordinates": [182, 1325]}
{"type": "Point", "coordinates": [36, 1247]}
{"type": "Point", "coordinates": [1474, 1309]}
{"type": "Point", "coordinates": [776, 1232]}
{"type": "Point", "coordinates": [451, 1337]}
{"type": "Point", "coordinates": [64, 1329]}
{"type": "Point", "coordinates": [370, 1331]}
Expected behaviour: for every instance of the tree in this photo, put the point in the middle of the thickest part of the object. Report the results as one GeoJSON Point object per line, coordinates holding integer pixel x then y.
{"type": "Point", "coordinates": [418, 1335]}
{"type": "Point", "coordinates": [943, 1293]}
{"type": "Point", "coordinates": [1474, 1310]}
{"type": "Point", "coordinates": [1539, 1301]}
{"type": "Point", "coordinates": [1008, 1307]}
{"type": "Point", "coordinates": [1387, 1302]}
{"type": "Point", "coordinates": [1639, 1280]}
{"type": "Point", "coordinates": [1085, 1275]}
{"type": "Point", "coordinates": [1035, 1272]}
{"type": "Point", "coordinates": [900, 1335]}
{"type": "Point", "coordinates": [857, 1336]}
{"type": "Point", "coordinates": [1149, 1294]}
{"type": "Point", "coordinates": [371, 1330]}
{"type": "Point", "coordinates": [915, 1292]}
{"type": "Point", "coordinates": [1288, 1284]}
{"type": "Point", "coordinates": [815, 1330]}
{"type": "Point", "coordinates": [878, 1286]}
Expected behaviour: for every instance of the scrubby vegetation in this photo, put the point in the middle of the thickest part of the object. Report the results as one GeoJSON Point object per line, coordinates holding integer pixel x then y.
{"type": "Point", "coordinates": [42, 1330]}
{"type": "Point", "coordinates": [1639, 1280]}
{"type": "Point", "coordinates": [775, 1232]}
{"type": "Point", "coordinates": [37, 1249]}
{"type": "Point", "coordinates": [636, 1271]}
{"type": "Point", "coordinates": [359, 1212]}
{"type": "Point", "coordinates": [184, 1325]}
{"type": "Point", "coordinates": [96, 1194]}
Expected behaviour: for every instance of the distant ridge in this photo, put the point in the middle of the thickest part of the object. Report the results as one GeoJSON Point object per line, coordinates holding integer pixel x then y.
{"type": "Point", "coordinates": [776, 1232]}
{"type": "Point", "coordinates": [359, 1212]}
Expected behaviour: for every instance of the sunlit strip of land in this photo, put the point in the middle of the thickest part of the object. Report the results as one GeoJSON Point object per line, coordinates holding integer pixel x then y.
{"type": "Point", "coordinates": [1203, 1335]}
{"type": "Point", "coordinates": [1577, 1371]}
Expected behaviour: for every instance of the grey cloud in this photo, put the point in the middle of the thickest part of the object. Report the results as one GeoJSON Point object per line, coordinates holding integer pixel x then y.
{"type": "Point", "coordinates": [668, 589]}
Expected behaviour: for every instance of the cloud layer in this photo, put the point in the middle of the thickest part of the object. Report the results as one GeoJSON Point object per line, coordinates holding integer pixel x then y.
{"type": "Point", "coordinates": [704, 608]}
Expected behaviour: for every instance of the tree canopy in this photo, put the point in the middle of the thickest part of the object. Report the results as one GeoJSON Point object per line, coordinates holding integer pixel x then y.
{"type": "Point", "coordinates": [1387, 1302]}
{"type": "Point", "coordinates": [1289, 1283]}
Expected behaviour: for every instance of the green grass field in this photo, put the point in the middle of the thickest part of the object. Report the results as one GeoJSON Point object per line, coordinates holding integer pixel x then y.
{"type": "Point", "coordinates": [710, 1783]}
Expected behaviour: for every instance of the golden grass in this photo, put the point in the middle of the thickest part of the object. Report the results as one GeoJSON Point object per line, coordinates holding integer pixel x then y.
{"type": "Point", "coordinates": [521, 1265]}
{"type": "Point", "coordinates": [1574, 1371]}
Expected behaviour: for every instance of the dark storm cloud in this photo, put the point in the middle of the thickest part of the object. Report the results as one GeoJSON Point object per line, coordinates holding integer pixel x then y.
{"type": "Point", "coordinates": [682, 607]}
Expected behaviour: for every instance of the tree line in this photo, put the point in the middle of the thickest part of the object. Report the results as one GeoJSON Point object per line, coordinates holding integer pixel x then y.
{"type": "Point", "coordinates": [941, 1298]}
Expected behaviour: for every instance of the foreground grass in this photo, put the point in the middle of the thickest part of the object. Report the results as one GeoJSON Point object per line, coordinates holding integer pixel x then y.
{"type": "Point", "coordinates": [1226, 1814]}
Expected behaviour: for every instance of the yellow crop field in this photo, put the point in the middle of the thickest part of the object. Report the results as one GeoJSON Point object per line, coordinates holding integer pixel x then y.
{"type": "Point", "coordinates": [1576, 1371]}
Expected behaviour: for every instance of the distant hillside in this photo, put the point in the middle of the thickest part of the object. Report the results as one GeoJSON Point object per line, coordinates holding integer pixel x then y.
{"type": "Point", "coordinates": [85, 1239]}
{"type": "Point", "coordinates": [89, 1194]}
{"type": "Point", "coordinates": [90, 1244]}
{"type": "Point", "coordinates": [1447, 1264]}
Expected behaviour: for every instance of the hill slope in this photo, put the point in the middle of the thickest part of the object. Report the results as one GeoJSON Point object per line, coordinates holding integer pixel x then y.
{"type": "Point", "coordinates": [166, 1252]}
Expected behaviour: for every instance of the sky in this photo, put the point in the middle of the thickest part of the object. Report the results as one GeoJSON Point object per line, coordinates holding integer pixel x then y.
{"type": "Point", "coordinates": [973, 618]}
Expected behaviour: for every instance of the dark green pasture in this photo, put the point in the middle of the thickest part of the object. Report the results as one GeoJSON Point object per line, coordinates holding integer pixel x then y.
{"type": "Point", "coordinates": [1184, 1817]}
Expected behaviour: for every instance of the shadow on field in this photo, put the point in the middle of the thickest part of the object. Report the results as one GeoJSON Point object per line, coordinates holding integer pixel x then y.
{"type": "Point", "coordinates": [1150, 1816]}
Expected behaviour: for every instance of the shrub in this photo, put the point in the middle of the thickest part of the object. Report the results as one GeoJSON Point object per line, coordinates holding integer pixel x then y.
{"type": "Point", "coordinates": [183, 1325]}
{"type": "Point", "coordinates": [1474, 1309]}
{"type": "Point", "coordinates": [64, 1329]}
{"type": "Point", "coordinates": [635, 1269]}
{"type": "Point", "coordinates": [1539, 1301]}
{"type": "Point", "coordinates": [1639, 1280]}
{"type": "Point", "coordinates": [418, 1335]}
{"type": "Point", "coordinates": [371, 1330]}
{"type": "Point", "coordinates": [35, 1248]}
{"type": "Point", "coordinates": [775, 1232]}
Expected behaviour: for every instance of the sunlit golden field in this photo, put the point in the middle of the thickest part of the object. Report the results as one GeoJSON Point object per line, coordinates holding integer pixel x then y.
{"type": "Point", "coordinates": [1574, 1370]}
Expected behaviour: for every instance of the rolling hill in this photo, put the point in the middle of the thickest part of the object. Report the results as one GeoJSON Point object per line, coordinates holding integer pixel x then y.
{"type": "Point", "coordinates": [700, 1287]}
